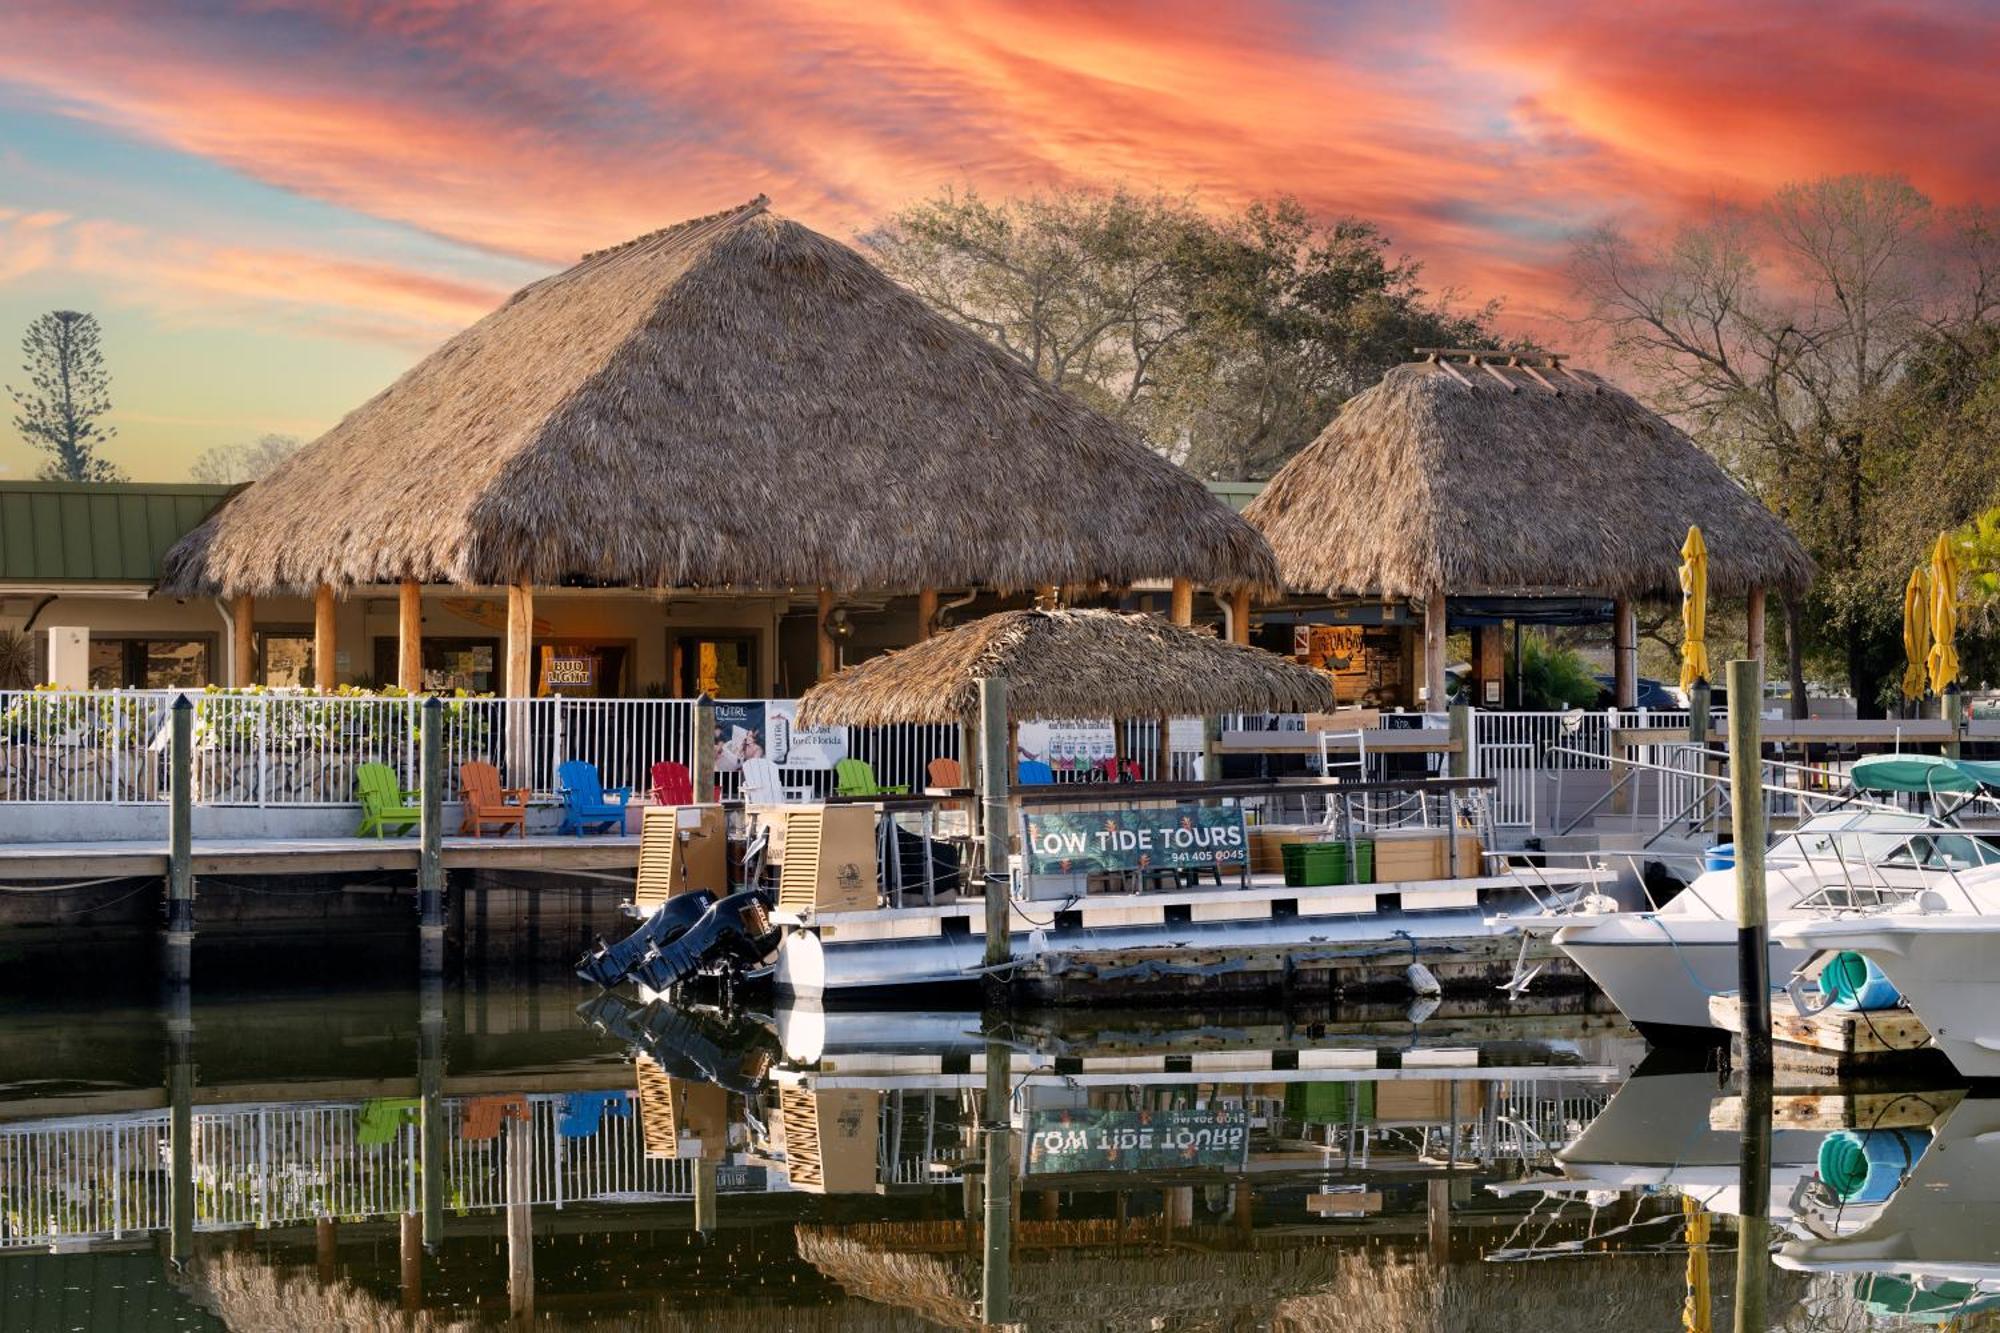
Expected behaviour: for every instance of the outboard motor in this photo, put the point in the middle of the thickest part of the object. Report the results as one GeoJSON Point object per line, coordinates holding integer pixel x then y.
{"type": "Point", "coordinates": [735, 935]}
{"type": "Point", "coordinates": [609, 964]}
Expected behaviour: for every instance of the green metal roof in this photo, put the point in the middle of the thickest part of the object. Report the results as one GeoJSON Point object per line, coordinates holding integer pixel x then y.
{"type": "Point", "coordinates": [76, 532]}
{"type": "Point", "coordinates": [1235, 494]}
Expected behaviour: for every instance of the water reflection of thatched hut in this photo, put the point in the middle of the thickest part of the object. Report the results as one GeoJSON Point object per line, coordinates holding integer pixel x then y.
{"type": "Point", "coordinates": [1081, 1276]}
{"type": "Point", "coordinates": [733, 403]}
{"type": "Point", "coordinates": [1500, 479]}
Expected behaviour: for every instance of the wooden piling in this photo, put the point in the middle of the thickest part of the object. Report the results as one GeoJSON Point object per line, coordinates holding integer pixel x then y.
{"type": "Point", "coordinates": [430, 852]}
{"type": "Point", "coordinates": [701, 755]}
{"type": "Point", "coordinates": [180, 843]}
{"type": "Point", "coordinates": [1746, 771]}
{"type": "Point", "coordinates": [996, 1278]}
{"type": "Point", "coordinates": [410, 636]}
{"type": "Point", "coordinates": [995, 772]}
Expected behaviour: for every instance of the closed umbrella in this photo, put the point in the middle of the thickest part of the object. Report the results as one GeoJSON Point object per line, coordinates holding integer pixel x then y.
{"type": "Point", "coordinates": [1916, 632]}
{"type": "Point", "coordinates": [1694, 609]}
{"type": "Point", "coordinates": [1944, 615]}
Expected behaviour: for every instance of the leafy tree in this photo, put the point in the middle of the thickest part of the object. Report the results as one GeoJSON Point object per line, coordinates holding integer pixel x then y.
{"type": "Point", "coordinates": [229, 464]}
{"type": "Point", "coordinates": [1227, 342]}
{"type": "Point", "coordinates": [1792, 341]}
{"type": "Point", "coordinates": [68, 391]}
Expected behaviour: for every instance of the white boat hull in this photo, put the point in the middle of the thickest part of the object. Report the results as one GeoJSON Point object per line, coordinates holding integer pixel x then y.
{"type": "Point", "coordinates": [1659, 971]}
{"type": "Point", "coordinates": [1947, 968]}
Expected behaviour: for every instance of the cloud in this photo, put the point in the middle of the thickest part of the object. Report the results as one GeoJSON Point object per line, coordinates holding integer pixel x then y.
{"type": "Point", "coordinates": [189, 281]}
{"type": "Point", "coordinates": [1480, 138]}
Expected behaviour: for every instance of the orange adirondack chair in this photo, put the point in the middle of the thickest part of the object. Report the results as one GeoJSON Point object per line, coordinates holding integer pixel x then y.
{"type": "Point", "coordinates": [945, 773]}
{"type": "Point", "coordinates": [487, 802]}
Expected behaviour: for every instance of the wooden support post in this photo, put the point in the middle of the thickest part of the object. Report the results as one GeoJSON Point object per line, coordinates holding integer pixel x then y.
{"type": "Point", "coordinates": [1489, 665]}
{"type": "Point", "coordinates": [1754, 615]}
{"type": "Point", "coordinates": [705, 1182]}
{"type": "Point", "coordinates": [1239, 616]}
{"type": "Point", "coordinates": [326, 647]}
{"type": "Point", "coordinates": [996, 772]}
{"type": "Point", "coordinates": [180, 842]}
{"type": "Point", "coordinates": [243, 641]}
{"type": "Point", "coordinates": [1434, 652]}
{"type": "Point", "coordinates": [430, 833]}
{"type": "Point", "coordinates": [432, 1161]}
{"type": "Point", "coordinates": [1624, 654]}
{"type": "Point", "coordinates": [520, 1223]}
{"type": "Point", "coordinates": [326, 1249]}
{"type": "Point", "coordinates": [1459, 762]}
{"type": "Point", "coordinates": [1753, 1192]}
{"type": "Point", "coordinates": [927, 609]}
{"type": "Point", "coordinates": [829, 658]}
{"type": "Point", "coordinates": [996, 1275]}
{"type": "Point", "coordinates": [410, 636]}
{"type": "Point", "coordinates": [1163, 757]}
{"type": "Point", "coordinates": [701, 752]}
{"type": "Point", "coordinates": [1952, 705]}
{"type": "Point", "coordinates": [519, 679]}
{"type": "Point", "coordinates": [1746, 777]}
{"type": "Point", "coordinates": [410, 1250]}
{"type": "Point", "coordinates": [1183, 602]}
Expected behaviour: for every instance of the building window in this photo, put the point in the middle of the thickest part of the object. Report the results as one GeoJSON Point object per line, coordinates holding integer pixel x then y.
{"type": "Point", "coordinates": [158, 663]}
{"type": "Point", "coordinates": [722, 666]}
{"type": "Point", "coordinates": [285, 658]}
{"type": "Point", "coordinates": [449, 664]}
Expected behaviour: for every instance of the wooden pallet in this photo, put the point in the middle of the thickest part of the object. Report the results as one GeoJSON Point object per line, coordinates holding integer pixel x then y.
{"type": "Point", "coordinates": [1825, 1112]}
{"type": "Point", "coordinates": [1832, 1042]}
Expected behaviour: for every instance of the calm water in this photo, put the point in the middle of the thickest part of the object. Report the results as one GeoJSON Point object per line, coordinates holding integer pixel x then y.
{"type": "Point", "coordinates": [597, 1165]}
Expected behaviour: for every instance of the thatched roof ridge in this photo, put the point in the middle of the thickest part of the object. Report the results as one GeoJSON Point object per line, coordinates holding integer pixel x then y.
{"type": "Point", "coordinates": [1486, 478]}
{"type": "Point", "coordinates": [732, 401]}
{"type": "Point", "coordinates": [1061, 664]}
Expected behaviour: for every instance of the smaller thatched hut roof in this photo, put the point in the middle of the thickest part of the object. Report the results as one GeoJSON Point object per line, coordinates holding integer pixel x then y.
{"type": "Point", "coordinates": [1067, 664]}
{"type": "Point", "coordinates": [1469, 478]}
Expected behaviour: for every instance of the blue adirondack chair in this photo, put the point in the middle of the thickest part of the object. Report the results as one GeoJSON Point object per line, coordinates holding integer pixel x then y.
{"type": "Point", "coordinates": [1034, 773]}
{"type": "Point", "coordinates": [586, 804]}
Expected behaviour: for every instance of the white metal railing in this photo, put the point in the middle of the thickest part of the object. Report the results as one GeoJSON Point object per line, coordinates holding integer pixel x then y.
{"type": "Point", "coordinates": [301, 749]}
{"type": "Point", "coordinates": [272, 1164]}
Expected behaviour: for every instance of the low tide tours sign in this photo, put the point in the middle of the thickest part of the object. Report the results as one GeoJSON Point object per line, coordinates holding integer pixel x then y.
{"type": "Point", "coordinates": [1182, 836]}
{"type": "Point", "coordinates": [1090, 1139]}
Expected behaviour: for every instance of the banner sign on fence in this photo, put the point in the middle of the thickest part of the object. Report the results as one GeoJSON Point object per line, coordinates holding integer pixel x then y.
{"type": "Point", "coordinates": [1181, 836]}
{"type": "Point", "coordinates": [1093, 1139]}
{"type": "Point", "coordinates": [793, 746]}
{"type": "Point", "coordinates": [739, 734]}
{"type": "Point", "coordinates": [1067, 747]}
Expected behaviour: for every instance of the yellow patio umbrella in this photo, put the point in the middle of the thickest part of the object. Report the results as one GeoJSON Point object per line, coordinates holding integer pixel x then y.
{"type": "Point", "coordinates": [1694, 609]}
{"type": "Point", "coordinates": [1943, 658]}
{"type": "Point", "coordinates": [1916, 632]}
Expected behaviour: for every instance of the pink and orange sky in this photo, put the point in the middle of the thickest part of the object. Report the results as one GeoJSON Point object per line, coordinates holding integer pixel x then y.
{"type": "Point", "coordinates": [275, 207]}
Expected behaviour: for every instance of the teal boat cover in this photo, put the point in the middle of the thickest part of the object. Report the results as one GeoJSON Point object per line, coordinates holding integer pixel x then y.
{"type": "Point", "coordinates": [1922, 773]}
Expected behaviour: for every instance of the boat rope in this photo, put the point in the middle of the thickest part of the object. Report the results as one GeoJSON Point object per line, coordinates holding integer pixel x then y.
{"type": "Point", "coordinates": [1695, 981]}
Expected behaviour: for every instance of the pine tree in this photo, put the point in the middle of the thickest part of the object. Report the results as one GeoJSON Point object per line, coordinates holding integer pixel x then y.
{"type": "Point", "coordinates": [68, 391]}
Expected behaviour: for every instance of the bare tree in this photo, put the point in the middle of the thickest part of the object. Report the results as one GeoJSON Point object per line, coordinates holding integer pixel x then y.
{"type": "Point", "coordinates": [230, 464]}
{"type": "Point", "coordinates": [68, 391]}
{"type": "Point", "coordinates": [1777, 336]}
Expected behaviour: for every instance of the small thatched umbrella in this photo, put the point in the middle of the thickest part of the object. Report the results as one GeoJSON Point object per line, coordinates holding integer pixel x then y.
{"type": "Point", "coordinates": [1067, 664]}
{"type": "Point", "coordinates": [1504, 474]}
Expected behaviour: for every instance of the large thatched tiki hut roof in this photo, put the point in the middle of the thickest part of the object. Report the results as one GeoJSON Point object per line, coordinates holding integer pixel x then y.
{"type": "Point", "coordinates": [734, 401]}
{"type": "Point", "coordinates": [1468, 478]}
{"type": "Point", "coordinates": [1061, 664]}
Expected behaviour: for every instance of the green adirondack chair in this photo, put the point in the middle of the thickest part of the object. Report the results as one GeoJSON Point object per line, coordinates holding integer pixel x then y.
{"type": "Point", "coordinates": [856, 777]}
{"type": "Point", "coordinates": [384, 804]}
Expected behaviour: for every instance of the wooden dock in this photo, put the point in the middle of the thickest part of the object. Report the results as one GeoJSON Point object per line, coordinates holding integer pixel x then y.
{"type": "Point", "coordinates": [28, 861]}
{"type": "Point", "coordinates": [1848, 1108]}
{"type": "Point", "coordinates": [1833, 1042]}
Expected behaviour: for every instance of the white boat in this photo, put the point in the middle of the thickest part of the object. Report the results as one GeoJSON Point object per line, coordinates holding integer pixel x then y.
{"type": "Point", "coordinates": [1660, 967]}
{"type": "Point", "coordinates": [1939, 1231]}
{"type": "Point", "coordinates": [1946, 964]}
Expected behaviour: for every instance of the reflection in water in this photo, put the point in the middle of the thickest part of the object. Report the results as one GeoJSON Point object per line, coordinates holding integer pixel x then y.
{"type": "Point", "coordinates": [485, 1156]}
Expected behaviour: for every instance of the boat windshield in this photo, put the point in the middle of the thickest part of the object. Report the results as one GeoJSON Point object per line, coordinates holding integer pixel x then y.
{"type": "Point", "coordinates": [1931, 849]}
